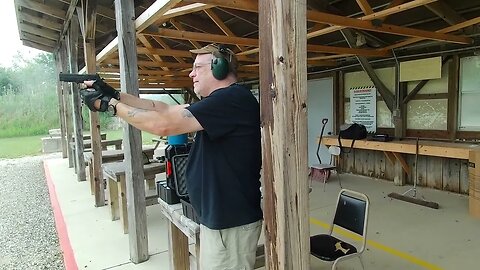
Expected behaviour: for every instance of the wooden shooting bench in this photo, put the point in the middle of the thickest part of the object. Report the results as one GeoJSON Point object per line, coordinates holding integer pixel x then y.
{"type": "Point", "coordinates": [103, 136]}
{"type": "Point", "coordinates": [182, 229]}
{"type": "Point", "coordinates": [107, 157]}
{"type": "Point", "coordinates": [446, 165]}
{"type": "Point", "coordinates": [115, 142]}
{"type": "Point", "coordinates": [116, 187]}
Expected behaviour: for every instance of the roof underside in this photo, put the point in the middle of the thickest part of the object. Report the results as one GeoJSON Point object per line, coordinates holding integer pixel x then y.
{"type": "Point", "coordinates": [374, 29]}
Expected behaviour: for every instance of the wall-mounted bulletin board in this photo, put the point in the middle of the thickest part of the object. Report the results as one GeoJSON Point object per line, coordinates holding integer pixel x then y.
{"type": "Point", "coordinates": [469, 107]}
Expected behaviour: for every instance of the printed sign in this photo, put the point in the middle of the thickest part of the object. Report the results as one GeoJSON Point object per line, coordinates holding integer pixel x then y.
{"type": "Point", "coordinates": [363, 107]}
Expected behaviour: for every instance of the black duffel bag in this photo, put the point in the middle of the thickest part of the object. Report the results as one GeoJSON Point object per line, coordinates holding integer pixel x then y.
{"type": "Point", "coordinates": [353, 132]}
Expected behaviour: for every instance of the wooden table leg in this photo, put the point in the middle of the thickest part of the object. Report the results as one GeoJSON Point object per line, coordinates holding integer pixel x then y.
{"type": "Point", "coordinates": [113, 198]}
{"type": "Point", "coordinates": [122, 202]}
{"type": "Point", "coordinates": [178, 248]}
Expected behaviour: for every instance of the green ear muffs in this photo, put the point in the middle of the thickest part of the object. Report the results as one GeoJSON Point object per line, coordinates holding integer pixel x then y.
{"type": "Point", "coordinates": [219, 68]}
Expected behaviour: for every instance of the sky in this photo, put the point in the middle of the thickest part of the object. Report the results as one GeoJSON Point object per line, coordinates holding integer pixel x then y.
{"type": "Point", "coordinates": [11, 43]}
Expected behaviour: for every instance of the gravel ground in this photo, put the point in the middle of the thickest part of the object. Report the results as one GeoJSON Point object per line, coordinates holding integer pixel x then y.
{"type": "Point", "coordinates": [28, 237]}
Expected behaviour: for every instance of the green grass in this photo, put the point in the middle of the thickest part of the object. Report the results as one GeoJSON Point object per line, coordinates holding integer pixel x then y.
{"type": "Point", "coordinates": [21, 146]}
{"type": "Point", "coordinates": [32, 145]}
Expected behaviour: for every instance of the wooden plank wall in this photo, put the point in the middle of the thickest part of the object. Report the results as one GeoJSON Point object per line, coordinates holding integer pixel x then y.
{"type": "Point", "coordinates": [433, 172]}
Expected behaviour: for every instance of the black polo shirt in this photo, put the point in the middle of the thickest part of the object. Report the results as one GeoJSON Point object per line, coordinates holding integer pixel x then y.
{"type": "Point", "coordinates": [224, 163]}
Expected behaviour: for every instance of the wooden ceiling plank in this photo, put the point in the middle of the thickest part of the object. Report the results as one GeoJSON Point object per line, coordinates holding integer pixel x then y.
{"type": "Point", "coordinates": [376, 15]}
{"type": "Point", "coordinates": [44, 22]}
{"type": "Point", "coordinates": [187, 9]}
{"type": "Point", "coordinates": [42, 8]}
{"type": "Point", "coordinates": [214, 17]}
{"type": "Point", "coordinates": [365, 7]}
{"type": "Point", "coordinates": [442, 10]}
{"type": "Point", "coordinates": [245, 5]}
{"type": "Point", "coordinates": [151, 64]}
{"type": "Point", "coordinates": [449, 29]}
{"type": "Point", "coordinates": [154, 13]}
{"type": "Point", "coordinates": [46, 33]}
{"type": "Point", "coordinates": [343, 50]}
{"type": "Point", "coordinates": [38, 46]}
{"type": "Point", "coordinates": [323, 17]}
{"type": "Point", "coordinates": [37, 39]}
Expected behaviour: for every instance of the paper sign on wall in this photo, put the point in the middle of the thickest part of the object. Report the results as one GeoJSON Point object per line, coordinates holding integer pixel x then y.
{"type": "Point", "coordinates": [363, 107]}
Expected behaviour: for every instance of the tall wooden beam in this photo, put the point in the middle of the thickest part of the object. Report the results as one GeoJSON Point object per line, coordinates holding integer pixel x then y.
{"type": "Point", "coordinates": [132, 137]}
{"type": "Point", "coordinates": [283, 102]}
{"type": "Point", "coordinates": [73, 35]}
{"type": "Point", "coordinates": [88, 20]}
{"type": "Point", "coordinates": [61, 114]}
{"type": "Point", "coordinates": [453, 95]}
{"type": "Point", "coordinates": [64, 50]}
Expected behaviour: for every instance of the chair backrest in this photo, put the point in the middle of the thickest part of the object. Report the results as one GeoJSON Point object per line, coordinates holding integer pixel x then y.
{"type": "Point", "coordinates": [352, 213]}
{"type": "Point", "coordinates": [334, 150]}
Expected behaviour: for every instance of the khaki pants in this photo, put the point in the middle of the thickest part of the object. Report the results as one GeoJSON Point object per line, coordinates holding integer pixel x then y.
{"type": "Point", "coordinates": [229, 249]}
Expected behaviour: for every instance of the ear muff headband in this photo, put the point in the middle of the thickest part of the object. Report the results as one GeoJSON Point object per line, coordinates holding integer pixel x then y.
{"type": "Point", "coordinates": [220, 66]}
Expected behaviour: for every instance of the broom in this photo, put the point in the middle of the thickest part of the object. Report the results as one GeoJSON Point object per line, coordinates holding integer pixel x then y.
{"type": "Point", "coordinates": [413, 199]}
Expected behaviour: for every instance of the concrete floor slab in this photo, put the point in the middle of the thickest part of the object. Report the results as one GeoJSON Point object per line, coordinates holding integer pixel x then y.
{"type": "Point", "coordinates": [401, 235]}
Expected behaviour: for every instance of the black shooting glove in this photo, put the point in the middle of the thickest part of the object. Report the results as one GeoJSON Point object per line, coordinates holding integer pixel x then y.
{"type": "Point", "coordinates": [106, 89]}
{"type": "Point", "coordinates": [89, 97]}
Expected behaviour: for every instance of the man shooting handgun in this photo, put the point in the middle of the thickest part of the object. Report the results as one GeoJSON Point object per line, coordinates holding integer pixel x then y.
{"type": "Point", "coordinates": [224, 163]}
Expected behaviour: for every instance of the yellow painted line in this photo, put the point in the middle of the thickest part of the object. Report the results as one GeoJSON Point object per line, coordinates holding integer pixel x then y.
{"type": "Point", "coordinates": [379, 246]}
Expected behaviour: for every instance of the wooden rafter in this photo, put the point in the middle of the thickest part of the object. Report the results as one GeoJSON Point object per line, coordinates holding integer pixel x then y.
{"type": "Point", "coordinates": [322, 17]}
{"type": "Point", "coordinates": [214, 17]}
{"type": "Point", "coordinates": [365, 6]}
{"type": "Point", "coordinates": [391, 9]}
{"type": "Point", "coordinates": [186, 35]}
{"type": "Point", "coordinates": [444, 30]}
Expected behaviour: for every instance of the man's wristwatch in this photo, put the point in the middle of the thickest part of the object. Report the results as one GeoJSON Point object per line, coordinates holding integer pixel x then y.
{"type": "Point", "coordinates": [112, 109]}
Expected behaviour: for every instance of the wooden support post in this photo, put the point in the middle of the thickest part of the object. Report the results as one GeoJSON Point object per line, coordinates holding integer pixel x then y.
{"type": "Point", "coordinates": [66, 103]}
{"type": "Point", "coordinates": [76, 107]}
{"type": "Point", "coordinates": [474, 179]}
{"type": "Point", "coordinates": [132, 137]}
{"type": "Point", "coordinates": [88, 21]}
{"type": "Point", "coordinates": [339, 105]}
{"type": "Point", "coordinates": [400, 122]}
{"type": "Point", "coordinates": [283, 95]}
{"type": "Point", "coordinates": [453, 93]}
{"type": "Point", "coordinates": [60, 87]}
